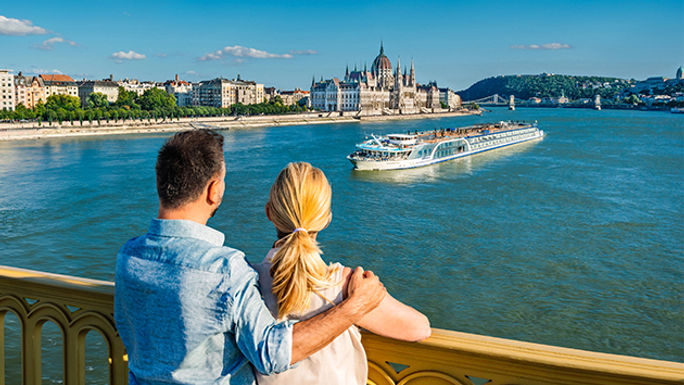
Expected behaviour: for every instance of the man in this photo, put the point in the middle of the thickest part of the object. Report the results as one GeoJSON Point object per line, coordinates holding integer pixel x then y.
{"type": "Point", "coordinates": [187, 308]}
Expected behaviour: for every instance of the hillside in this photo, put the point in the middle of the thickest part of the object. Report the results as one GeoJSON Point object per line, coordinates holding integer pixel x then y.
{"type": "Point", "coordinates": [527, 86]}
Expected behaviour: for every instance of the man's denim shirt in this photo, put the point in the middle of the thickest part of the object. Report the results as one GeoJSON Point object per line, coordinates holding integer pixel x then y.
{"type": "Point", "coordinates": [189, 311]}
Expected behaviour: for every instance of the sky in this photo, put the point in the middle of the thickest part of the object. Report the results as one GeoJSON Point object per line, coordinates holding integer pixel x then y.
{"type": "Point", "coordinates": [284, 44]}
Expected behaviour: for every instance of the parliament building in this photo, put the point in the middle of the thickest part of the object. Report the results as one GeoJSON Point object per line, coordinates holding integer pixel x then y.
{"type": "Point", "coordinates": [380, 90]}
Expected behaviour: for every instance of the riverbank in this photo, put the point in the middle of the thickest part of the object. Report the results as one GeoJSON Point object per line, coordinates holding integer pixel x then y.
{"type": "Point", "coordinates": [31, 130]}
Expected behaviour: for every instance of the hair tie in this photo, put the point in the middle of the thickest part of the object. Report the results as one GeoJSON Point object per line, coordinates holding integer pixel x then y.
{"type": "Point", "coordinates": [300, 229]}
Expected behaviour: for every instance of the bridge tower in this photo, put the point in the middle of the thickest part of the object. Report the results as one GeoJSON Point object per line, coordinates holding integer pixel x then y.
{"type": "Point", "coordinates": [511, 102]}
{"type": "Point", "coordinates": [597, 102]}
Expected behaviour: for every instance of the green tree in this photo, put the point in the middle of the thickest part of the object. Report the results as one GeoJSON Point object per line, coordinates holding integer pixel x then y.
{"type": "Point", "coordinates": [97, 100]}
{"type": "Point", "coordinates": [51, 116]}
{"type": "Point", "coordinates": [124, 114]}
{"type": "Point", "coordinates": [62, 115]}
{"type": "Point", "coordinates": [126, 98]}
{"type": "Point", "coordinates": [21, 112]}
{"type": "Point", "coordinates": [156, 98]}
{"type": "Point", "coordinates": [39, 109]}
{"type": "Point", "coordinates": [66, 102]}
{"type": "Point", "coordinates": [98, 115]}
{"type": "Point", "coordinates": [632, 99]}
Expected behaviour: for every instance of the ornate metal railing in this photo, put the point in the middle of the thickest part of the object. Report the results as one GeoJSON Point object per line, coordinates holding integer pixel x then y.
{"type": "Point", "coordinates": [78, 305]}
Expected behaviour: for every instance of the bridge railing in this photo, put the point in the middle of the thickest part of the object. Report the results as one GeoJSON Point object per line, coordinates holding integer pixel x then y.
{"type": "Point", "coordinates": [78, 305]}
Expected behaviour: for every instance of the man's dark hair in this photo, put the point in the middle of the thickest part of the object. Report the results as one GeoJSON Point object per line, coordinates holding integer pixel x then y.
{"type": "Point", "coordinates": [185, 164]}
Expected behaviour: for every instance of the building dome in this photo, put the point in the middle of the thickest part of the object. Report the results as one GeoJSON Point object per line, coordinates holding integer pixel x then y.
{"type": "Point", "coordinates": [381, 62]}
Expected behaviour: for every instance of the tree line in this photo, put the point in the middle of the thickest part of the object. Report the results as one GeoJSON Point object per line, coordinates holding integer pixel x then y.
{"type": "Point", "coordinates": [154, 104]}
{"type": "Point", "coordinates": [528, 86]}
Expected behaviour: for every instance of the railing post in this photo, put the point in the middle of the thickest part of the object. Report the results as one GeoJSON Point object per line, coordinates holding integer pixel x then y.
{"type": "Point", "coordinates": [31, 354]}
{"type": "Point", "coordinates": [2, 347]}
{"type": "Point", "coordinates": [118, 367]}
{"type": "Point", "coordinates": [74, 357]}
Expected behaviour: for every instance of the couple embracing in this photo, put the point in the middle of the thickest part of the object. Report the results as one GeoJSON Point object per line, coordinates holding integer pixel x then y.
{"type": "Point", "coordinates": [190, 310]}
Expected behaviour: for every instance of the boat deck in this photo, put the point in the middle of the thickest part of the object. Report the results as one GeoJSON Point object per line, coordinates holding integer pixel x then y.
{"type": "Point", "coordinates": [480, 129]}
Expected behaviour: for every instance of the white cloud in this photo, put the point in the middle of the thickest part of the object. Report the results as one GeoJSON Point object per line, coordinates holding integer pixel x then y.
{"type": "Point", "coordinates": [130, 55]}
{"type": "Point", "coordinates": [239, 51]}
{"type": "Point", "coordinates": [304, 52]}
{"type": "Point", "coordinates": [49, 44]}
{"type": "Point", "coordinates": [547, 46]}
{"type": "Point", "coordinates": [45, 71]}
{"type": "Point", "coordinates": [16, 27]}
{"type": "Point", "coordinates": [191, 72]}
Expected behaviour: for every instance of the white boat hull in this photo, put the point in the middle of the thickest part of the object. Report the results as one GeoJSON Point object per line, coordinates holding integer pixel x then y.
{"type": "Point", "coordinates": [380, 165]}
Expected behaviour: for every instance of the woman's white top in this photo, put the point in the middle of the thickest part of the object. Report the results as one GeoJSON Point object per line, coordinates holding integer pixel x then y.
{"type": "Point", "coordinates": [342, 362]}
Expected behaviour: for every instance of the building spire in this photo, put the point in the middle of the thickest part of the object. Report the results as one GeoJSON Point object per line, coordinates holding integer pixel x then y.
{"type": "Point", "coordinates": [382, 49]}
{"type": "Point", "coordinates": [412, 76]}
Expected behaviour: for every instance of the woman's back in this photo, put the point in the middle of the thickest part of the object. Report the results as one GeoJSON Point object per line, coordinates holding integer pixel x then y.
{"type": "Point", "coordinates": [343, 361]}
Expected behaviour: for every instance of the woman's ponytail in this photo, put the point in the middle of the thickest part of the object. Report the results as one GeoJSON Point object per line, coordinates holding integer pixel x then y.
{"type": "Point", "coordinates": [296, 269]}
{"type": "Point", "coordinates": [299, 206]}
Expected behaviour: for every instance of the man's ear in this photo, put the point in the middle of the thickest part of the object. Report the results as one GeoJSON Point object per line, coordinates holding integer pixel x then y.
{"type": "Point", "coordinates": [213, 192]}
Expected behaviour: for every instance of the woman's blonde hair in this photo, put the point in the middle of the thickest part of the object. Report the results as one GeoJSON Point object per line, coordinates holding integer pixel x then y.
{"type": "Point", "coordinates": [299, 206]}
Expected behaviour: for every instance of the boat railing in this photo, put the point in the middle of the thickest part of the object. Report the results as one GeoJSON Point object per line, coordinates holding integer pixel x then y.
{"type": "Point", "coordinates": [79, 306]}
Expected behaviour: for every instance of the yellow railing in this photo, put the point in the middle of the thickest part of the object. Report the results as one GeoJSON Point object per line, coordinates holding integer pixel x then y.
{"type": "Point", "coordinates": [78, 305]}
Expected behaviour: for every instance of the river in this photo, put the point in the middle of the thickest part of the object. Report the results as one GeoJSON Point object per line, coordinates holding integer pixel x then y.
{"type": "Point", "coordinates": [574, 240]}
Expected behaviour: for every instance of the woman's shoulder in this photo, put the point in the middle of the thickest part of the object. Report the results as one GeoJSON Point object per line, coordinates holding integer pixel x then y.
{"type": "Point", "coordinates": [336, 291]}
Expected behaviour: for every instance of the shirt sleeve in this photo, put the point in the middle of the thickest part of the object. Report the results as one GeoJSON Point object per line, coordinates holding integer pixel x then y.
{"type": "Point", "coordinates": [266, 343]}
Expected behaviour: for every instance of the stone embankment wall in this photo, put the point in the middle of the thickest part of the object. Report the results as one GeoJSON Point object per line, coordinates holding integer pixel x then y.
{"type": "Point", "coordinates": [32, 130]}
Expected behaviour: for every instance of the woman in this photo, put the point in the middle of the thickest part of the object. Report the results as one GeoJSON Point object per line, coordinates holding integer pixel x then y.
{"type": "Point", "coordinates": [297, 284]}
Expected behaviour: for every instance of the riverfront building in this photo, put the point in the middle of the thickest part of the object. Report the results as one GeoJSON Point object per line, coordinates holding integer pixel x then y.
{"type": "Point", "coordinates": [30, 90]}
{"type": "Point", "coordinates": [107, 87]}
{"type": "Point", "coordinates": [58, 84]}
{"type": "Point", "coordinates": [378, 90]}
{"type": "Point", "coordinates": [181, 90]}
{"type": "Point", "coordinates": [224, 93]}
{"type": "Point", "coordinates": [449, 97]}
{"type": "Point", "coordinates": [294, 97]}
{"type": "Point", "coordinates": [134, 85]}
{"type": "Point", "coordinates": [656, 83]}
{"type": "Point", "coordinates": [7, 90]}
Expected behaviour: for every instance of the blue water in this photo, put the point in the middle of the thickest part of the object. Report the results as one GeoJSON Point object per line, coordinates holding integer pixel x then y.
{"type": "Point", "coordinates": [574, 240]}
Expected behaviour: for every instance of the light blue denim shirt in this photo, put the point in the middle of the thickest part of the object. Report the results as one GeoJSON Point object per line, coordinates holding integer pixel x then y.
{"type": "Point", "coordinates": [189, 310]}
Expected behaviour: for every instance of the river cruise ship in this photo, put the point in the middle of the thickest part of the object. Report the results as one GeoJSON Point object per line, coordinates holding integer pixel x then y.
{"type": "Point", "coordinates": [418, 149]}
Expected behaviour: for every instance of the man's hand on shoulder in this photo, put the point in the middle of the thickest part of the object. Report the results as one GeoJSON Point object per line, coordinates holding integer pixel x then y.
{"type": "Point", "coordinates": [364, 292]}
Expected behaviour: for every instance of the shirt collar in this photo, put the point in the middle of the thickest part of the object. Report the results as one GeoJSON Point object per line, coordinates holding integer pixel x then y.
{"type": "Point", "coordinates": [186, 229]}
